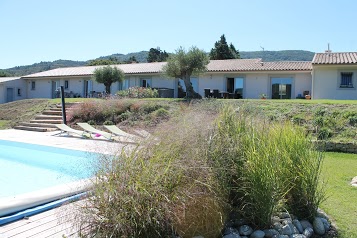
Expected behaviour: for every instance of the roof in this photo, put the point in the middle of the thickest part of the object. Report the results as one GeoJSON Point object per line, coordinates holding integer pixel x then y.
{"type": "Point", "coordinates": [139, 68]}
{"type": "Point", "coordinates": [257, 65]}
{"type": "Point", "coordinates": [233, 65]}
{"type": "Point", "coordinates": [6, 79]}
{"type": "Point", "coordinates": [335, 58]}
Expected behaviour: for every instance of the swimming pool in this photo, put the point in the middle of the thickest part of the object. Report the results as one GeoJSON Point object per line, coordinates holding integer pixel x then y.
{"type": "Point", "coordinates": [30, 173]}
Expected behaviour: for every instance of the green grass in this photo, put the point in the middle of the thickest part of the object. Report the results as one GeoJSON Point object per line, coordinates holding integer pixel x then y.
{"type": "Point", "coordinates": [4, 124]}
{"type": "Point", "coordinates": [338, 170]}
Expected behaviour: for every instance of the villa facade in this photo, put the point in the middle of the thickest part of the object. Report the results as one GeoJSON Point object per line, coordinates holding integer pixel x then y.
{"type": "Point", "coordinates": [328, 76]}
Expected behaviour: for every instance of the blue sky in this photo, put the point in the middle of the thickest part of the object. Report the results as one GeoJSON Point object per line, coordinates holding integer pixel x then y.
{"type": "Point", "coordinates": [45, 30]}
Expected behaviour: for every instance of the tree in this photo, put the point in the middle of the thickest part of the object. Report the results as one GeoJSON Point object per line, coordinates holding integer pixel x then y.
{"type": "Point", "coordinates": [3, 73]}
{"type": "Point", "coordinates": [222, 51]}
{"type": "Point", "coordinates": [108, 75]}
{"type": "Point", "coordinates": [131, 60]}
{"type": "Point", "coordinates": [183, 64]}
{"type": "Point", "coordinates": [109, 61]}
{"type": "Point", "coordinates": [157, 55]}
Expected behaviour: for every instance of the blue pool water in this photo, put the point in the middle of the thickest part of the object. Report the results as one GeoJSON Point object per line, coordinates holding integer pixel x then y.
{"type": "Point", "coordinates": [27, 167]}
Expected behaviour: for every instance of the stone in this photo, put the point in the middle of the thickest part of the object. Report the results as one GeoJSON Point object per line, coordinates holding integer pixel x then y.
{"type": "Point", "coordinates": [245, 230]}
{"type": "Point", "coordinates": [308, 232]}
{"type": "Point", "coordinates": [321, 213]}
{"type": "Point", "coordinates": [257, 234]}
{"type": "Point", "coordinates": [232, 235]}
{"type": "Point", "coordinates": [305, 224]}
{"type": "Point", "coordinates": [278, 226]}
{"type": "Point", "coordinates": [283, 236]}
{"type": "Point", "coordinates": [284, 215]}
{"type": "Point", "coordinates": [318, 226]}
{"type": "Point", "coordinates": [269, 233]}
{"type": "Point", "coordinates": [229, 230]}
{"type": "Point", "coordinates": [326, 224]}
{"type": "Point", "coordinates": [198, 237]}
{"type": "Point", "coordinates": [297, 236]}
{"type": "Point", "coordinates": [298, 226]}
{"type": "Point", "coordinates": [354, 182]}
{"type": "Point", "coordinates": [286, 230]}
{"type": "Point", "coordinates": [275, 219]}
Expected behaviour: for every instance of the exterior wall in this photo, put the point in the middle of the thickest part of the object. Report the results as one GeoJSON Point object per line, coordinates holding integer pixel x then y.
{"type": "Point", "coordinates": [326, 82]}
{"type": "Point", "coordinates": [303, 82]}
{"type": "Point", "coordinates": [256, 84]}
{"type": "Point", "coordinates": [17, 84]}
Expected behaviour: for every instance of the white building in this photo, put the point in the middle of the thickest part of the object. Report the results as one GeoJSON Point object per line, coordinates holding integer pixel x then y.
{"type": "Point", "coordinates": [12, 89]}
{"type": "Point", "coordinates": [328, 76]}
{"type": "Point", "coordinates": [334, 75]}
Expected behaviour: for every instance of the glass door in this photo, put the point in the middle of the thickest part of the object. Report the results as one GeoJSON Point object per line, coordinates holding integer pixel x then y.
{"type": "Point", "coordinates": [281, 88]}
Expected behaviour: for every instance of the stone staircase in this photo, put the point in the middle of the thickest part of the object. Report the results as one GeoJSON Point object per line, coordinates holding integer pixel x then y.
{"type": "Point", "coordinates": [44, 122]}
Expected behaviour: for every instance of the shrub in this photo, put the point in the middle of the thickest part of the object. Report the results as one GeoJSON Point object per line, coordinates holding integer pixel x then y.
{"type": "Point", "coordinates": [324, 133]}
{"type": "Point", "coordinates": [162, 187]}
{"type": "Point", "coordinates": [353, 120]}
{"type": "Point", "coordinates": [108, 123]}
{"type": "Point", "coordinates": [138, 92]}
{"type": "Point", "coordinates": [91, 122]}
{"type": "Point", "coordinates": [162, 112]}
{"type": "Point", "coordinates": [270, 165]}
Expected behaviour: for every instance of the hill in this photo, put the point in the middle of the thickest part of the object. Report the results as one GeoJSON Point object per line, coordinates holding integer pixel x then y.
{"type": "Point", "coordinates": [283, 55]}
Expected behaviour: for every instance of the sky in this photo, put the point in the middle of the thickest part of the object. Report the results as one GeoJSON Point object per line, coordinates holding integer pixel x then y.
{"type": "Point", "coordinates": [43, 30]}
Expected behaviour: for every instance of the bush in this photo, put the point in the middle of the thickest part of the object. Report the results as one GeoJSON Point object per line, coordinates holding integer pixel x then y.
{"type": "Point", "coordinates": [270, 165]}
{"type": "Point", "coordinates": [108, 123]}
{"type": "Point", "coordinates": [162, 187]}
{"type": "Point", "coordinates": [324, 133]}
{"type": "Point", "coordinates": [138, 92]}
{"type": "Point", "coordinates": [352, 120]}
{"type": "Point", "coordinates": [162, 113]}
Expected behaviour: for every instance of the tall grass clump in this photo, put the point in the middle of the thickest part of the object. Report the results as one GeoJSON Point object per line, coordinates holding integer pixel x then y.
{"type": "Point", "coordinates": [164, 187]}
{"type": "Point", "coordinates": [268, 166]}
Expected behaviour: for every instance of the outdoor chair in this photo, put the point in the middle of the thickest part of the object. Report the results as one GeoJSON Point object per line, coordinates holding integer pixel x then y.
{"type": "Point", "coordinates": [207, 92]}
{"type": "Point", "coordinates": [66, 129]}
{"type": "Point", "coordinates": [90, 129]}
{"type": "Point", "coordinates": [116, 131]}
{"type": "Point", "coordinates": [216, 93]}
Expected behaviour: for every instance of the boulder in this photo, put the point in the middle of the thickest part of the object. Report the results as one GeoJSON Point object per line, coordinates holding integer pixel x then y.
{"type": "Point", "coordinates": [308, 232]}
{"type": "Point", "coordinates": [305, 224]}
{"type": "Point", "coordinates": [318, 226]}
{"type": "Point", "coordinates": [326, 224]}
{"type": "Point", "coordinates": [298, 226]}
{"type": "Point", "coordinates": [286, 230]}
{"type": "Point", "coordinates": [257, 234]}
{"type": "Point", "coordinates": [232, 235]}
{"type": "Point", "coordinates": [245, 230]}
{"type": "Point", "coordinates": [269, 233]}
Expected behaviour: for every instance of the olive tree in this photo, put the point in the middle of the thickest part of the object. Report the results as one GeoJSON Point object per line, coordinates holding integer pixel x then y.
{"type": "Point", "coordinates": [108, 75]}
{"type": "Point", "coordinates": [184, 63]}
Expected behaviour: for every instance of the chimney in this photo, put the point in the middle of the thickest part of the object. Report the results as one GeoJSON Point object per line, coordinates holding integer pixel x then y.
{"type": "Point", "coordinates": [328, 48]}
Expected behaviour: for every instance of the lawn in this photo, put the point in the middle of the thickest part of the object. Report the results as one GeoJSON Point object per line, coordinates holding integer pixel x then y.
{"type": "Point", "coordinates": [4, 124]}
{"type": "Point", "coordinates": [338, 170]}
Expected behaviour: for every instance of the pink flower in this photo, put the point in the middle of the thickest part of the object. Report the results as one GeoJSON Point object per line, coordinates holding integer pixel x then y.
{"type": "Point", "coordinates": [98, 135]}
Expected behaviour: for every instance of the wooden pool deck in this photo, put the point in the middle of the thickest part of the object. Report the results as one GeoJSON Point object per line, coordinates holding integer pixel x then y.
{"type": "Point", "coordinates": [57, 222]}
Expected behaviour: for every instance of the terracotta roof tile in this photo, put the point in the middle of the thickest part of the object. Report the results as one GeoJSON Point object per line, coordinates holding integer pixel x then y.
{"type": "Point", "coordinates": [335, 58]}
{"type": "Point", "coordinates": [234, 65]}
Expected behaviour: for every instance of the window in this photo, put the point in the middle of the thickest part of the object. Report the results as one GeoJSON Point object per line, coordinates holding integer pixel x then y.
{"type": "Point", "coordinates": [145, 83]}
{"type": "Point", "coordinates": [33, 85]}
{"type": "Point", "coordinates": [19, 92]}
{"type": "Point", "coordinates": [66, 84]}
{"type": "Point", "coordinates": [346, 80]}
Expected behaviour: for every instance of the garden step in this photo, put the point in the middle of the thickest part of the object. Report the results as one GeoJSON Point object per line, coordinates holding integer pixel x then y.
{"type": "Point", "coordinates": [35, 124]}
{"type": "Point", "coordinates": [49, 117]}
{"type": "Point", "coordinates": [48, 121]}
{"type": "Point", "coordinates": [52, 112]}
{"type": "Point", "coordinates": [57, 109]}
{"type": "Point", "coordinates": [28, 128]}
